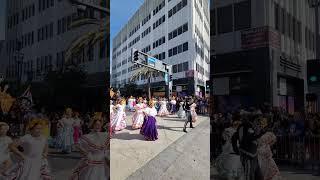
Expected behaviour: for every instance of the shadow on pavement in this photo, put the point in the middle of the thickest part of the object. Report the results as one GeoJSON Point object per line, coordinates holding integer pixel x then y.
{"type": "Point", "coordinates": [171, 128]}
{"type": "Point", "coordinates": [128, 136]}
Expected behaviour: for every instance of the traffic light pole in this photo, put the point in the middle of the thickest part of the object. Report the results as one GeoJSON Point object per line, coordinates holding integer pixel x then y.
{"type": "Point", "coordinates": [167, 70]}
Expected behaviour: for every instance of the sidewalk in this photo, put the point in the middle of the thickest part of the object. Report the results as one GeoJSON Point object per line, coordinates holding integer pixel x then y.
{"type": "Point", "coordinates": [130, 152]}
{"type": "Point", "coordinates": [188, 158]}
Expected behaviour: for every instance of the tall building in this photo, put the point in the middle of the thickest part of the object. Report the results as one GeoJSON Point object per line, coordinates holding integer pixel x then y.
{"type": "Point", "coordinates": [261, 49]}
{"type": "Point", "coordinates": [38, 33]}
{"type": "Point", "coordinates": [174, 31]}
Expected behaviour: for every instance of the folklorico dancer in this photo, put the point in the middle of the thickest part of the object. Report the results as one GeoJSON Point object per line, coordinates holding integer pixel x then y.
{"type": "Point", "coordinates": [95, 149]}
{"type": "Point", "coordinates": [193, 112]}
{"type": "Point", "coordinates": [77, 132]}
{"type": "Point", "coordinates": [246, 136]}
{"type": "Point", "coordinates": [118, 122]}
{"type": "Point", "coordinates": [64, 139]}
{"type": "Point", "coordinates": [149, 127]}
{"type": "Point", "coordinates": [228, 162]}
{"type": "Point", "coordinates": [181, 113]}
{"type": "Point", "coordinates": [187, 108]}
{"type": "Point", "coordinates": [173, 103]}
{"type": "Point", "coordinates": [138, 117]}
{"type": "Point", "coordinates": [130, 103]}
{"type": "Point", "coordinates": [163, 108]}
{"type": "Point", "coordinates": [33, 164]}
{"type": "Point", "coordinates": [5, 141]}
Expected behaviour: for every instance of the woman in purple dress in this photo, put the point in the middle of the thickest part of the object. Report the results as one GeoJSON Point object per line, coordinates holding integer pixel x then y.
{"type": "Point", "coordinates": [149, 127]}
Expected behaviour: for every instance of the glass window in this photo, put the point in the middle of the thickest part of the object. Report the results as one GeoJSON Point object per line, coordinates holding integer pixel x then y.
{"type": "Point", "coordinates": [184, 2]}
{"type": "Point", "coordinates": [185, 66]}
{"type": "Point", "coordinates": [179, 6]}
{"type": "Point", "coordinates": [179, 67]}
{"type": "Point", "coordinates": [242, 14]}
{"type": "Point", "coordinates": [174, 51]}
{"type": "Point", "coordinates": [174, 10]}
{"type": "Point", "coordinates": [170, 52]}
{"type": "Point", "coordinates": [170, 13]}
{"type": "Point", "coordinates": [174, 34]}
{"type": "Point", "coordinates": [185, 27]}
{"type": "Point", "coordinates": [163, 39]}
{"type": "Point", "coordinates": [180, 30]}
{"type": "Point", "coordinates": [185, 46]}
{"type": "Point", "coordinates": [179, 49]}
{"type": "Point", "coordinates": [174, 68]}
{"type": "Point", "coordinates": [225, 19]}
{"type": "Point", "coordinates": [170, 36]}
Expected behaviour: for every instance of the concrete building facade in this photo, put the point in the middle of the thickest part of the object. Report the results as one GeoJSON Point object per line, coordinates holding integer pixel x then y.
{"type": "Point", "coordinates": [174, 31]}
{"type": "Point", "coordinates": [260, 52]}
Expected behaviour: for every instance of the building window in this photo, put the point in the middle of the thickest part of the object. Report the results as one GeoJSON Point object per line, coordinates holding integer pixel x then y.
{"type": "Point", "coordinates": [242, 15]}
{"type": "Point", "coordinates": [276, 16]}
{"type": "Point", "coordinates": [225, 19]}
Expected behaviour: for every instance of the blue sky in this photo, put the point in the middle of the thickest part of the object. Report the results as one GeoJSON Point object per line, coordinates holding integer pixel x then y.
{"type": "Point", "coordinates": [121, 12]}
{"type": "Point", "coordinates": [2, 18]}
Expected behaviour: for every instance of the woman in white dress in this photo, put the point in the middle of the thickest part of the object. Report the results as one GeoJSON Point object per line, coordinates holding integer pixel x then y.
{"type": "Point", "coordinates": [228, 163]}
{"type": "Point", "coordinates": [163, 108]}
{"type": "Point", "coordinates": [95, 149]}
{"type": "Point", "coordinates": [65, 140]}
{"type": "Point", "coordinates": [118, 122]}
{"type": "Point", "coordinates": [181, 113]}
{"type": "Point", "coordinates": [5, 141]}
{"type": "Point", "coordinates": [33, 164]}
{"type": "Point", "coordinates": [173, 103]}
{"type": "Point", "coordinates": [193, 112]}
{"type": "Point", "coordinates": [138, 116]}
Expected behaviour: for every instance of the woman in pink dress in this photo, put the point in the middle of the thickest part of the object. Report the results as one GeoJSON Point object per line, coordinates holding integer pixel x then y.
{"type": "Point", "coordinates": [77, 128]}
{"type": "Point", "coordinates": [267, 165]}
{"type": "Point", "coordinates": [138, 116]}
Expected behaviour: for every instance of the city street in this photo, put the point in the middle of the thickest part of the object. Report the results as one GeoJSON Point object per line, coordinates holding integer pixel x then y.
{"type": "Point", "coordinates": [174, 155]}
{"type": "Point", "coordinates": [61, 165]}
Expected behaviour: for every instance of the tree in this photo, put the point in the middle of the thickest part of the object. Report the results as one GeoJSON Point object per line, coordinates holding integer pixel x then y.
{"type": "Point", "coordinates": [148, 73]}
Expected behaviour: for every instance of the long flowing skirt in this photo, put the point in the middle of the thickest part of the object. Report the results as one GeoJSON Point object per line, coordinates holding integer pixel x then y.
{"type": "Point", "coordinates": [269, 168]}
{"type": "Point", "coordinates": [76, 134]}
{"type": "Point", "coordinates": [119, 121]}
{"type": "Point", "coordinates": [137, 120]}
{"type": "Point", "coordinates": [89, 170]}
{"type": "Point", "coordinates": [194, 116]}
{"type": "Point", "coordinates": [64, 140]}
{"type": "Point", "coordinates": [163, 111]}
{"type": "Point", "coordinates": [149, 128]}
{"type": "Point", "coordinates": [30, 168]}
{"type": "Point", "coordinates": [229, 165]}
{"type": "Point", "coordinates": [181, 113]}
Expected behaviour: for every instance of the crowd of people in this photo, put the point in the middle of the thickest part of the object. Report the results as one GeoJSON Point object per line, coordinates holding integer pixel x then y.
{"type": "Point", "coordinates": [24, 147]}
{"type": "Point", "coordinates": [244, 139]}
{"type": "Point", "coordinates": [146, 113]}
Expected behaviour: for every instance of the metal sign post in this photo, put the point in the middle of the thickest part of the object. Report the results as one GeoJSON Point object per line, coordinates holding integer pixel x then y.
{"type": "Point", "coordinates": [155, 64]}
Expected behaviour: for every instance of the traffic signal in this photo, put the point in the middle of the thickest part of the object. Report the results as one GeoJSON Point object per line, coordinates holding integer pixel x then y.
{"type": "Point", "coordinates": [170, 79]}
{"type": "Point", "coordinates": [135, 56]}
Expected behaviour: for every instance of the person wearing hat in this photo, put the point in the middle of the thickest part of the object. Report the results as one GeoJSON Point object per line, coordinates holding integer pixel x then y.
{"type": "Point", "coordinates": [65, 140]}
{"type": "Point", "coordinates": [5, 141]}
{"type": "Point", "coordinates": [94, 148]}
{"type": "Point", "coordinates": [33, 163]}
{"type": "Point", "coordinates": [149, 127]}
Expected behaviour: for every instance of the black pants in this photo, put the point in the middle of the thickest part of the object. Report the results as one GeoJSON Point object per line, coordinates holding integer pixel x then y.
{"type": "Point", "coordinates": [251, 167]}
{"type": "Point", "coordinates": [188, 119]}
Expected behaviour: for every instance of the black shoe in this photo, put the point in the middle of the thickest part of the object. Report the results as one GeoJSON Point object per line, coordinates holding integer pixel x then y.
{"type": "Point", "coordinates": [191, 127]}
{"type": "Point", "coordinates": [184, 130]}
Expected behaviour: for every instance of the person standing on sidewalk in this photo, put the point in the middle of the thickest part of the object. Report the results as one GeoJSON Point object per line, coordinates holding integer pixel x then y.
{"type": "Point", "coordinates": [187, 107]}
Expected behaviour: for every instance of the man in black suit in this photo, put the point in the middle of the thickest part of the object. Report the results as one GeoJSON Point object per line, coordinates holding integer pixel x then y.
{"type": "Point", "coordinates": [247, 135]}
{"type": "Point", "coordinates": [186, 108]}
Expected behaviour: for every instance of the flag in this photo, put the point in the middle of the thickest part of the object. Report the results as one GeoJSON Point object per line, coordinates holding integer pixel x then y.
{"type": "Point", "coordinates": [27, 95]}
